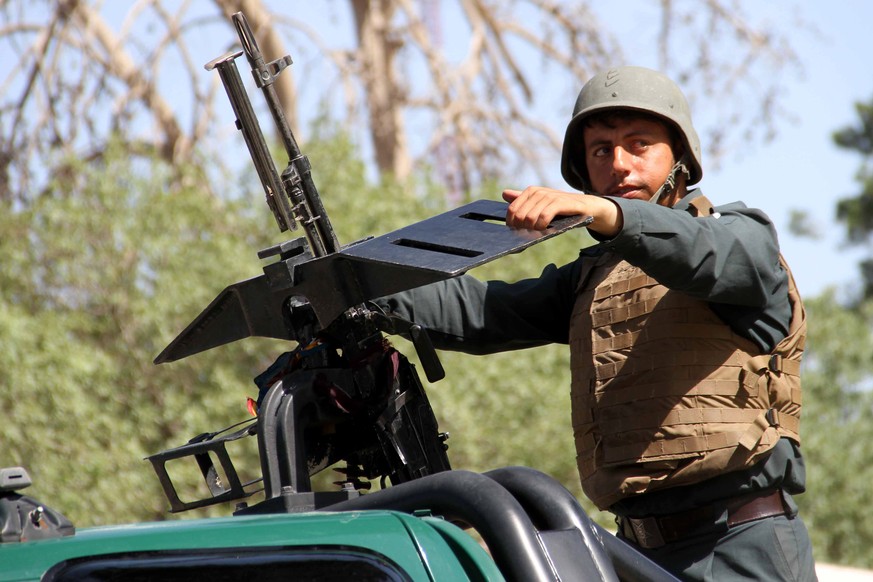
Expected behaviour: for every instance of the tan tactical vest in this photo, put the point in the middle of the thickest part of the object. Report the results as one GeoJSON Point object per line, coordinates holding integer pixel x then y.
{"type": "Point", "coordinates": [664, 393]}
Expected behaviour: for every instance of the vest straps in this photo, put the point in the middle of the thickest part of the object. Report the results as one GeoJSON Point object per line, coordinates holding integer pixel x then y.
{"type": "Point", "coordinates": [701, 206]}
{"type": "Point", "coordinates": [767, 419]}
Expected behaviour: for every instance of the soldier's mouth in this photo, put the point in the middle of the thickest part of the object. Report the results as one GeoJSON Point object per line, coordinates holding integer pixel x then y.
{"type": "Point", "coordinates": [631, 191]}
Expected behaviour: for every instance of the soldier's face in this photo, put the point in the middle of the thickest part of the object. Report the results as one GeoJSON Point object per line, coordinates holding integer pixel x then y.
{"type": "Point", "coordinates": [628, 157]}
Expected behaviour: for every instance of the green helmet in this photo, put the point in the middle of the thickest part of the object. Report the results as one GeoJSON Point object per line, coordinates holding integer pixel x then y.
{"type": "Point", "coordinates": [635, 89]}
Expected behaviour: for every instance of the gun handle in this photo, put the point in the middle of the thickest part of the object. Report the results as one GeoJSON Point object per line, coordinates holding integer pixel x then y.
{"type": "Point", "coordinates": [433, 368]}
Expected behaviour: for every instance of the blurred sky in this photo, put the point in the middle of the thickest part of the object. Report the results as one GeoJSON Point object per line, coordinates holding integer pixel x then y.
{"type": "Point", "coordinates": [802, 168]}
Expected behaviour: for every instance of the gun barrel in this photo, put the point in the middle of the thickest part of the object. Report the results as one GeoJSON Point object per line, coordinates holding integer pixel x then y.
{"type": "Point", "coordinates": [247, 122]}
{"type": "Point", "coordinates": [265, 75]}
{"type": "Point", "coordinates": [297, 178]}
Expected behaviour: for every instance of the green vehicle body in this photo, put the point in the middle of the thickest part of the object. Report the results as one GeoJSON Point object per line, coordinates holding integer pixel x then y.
{"type": "Point", "coordinates": [388, 545]}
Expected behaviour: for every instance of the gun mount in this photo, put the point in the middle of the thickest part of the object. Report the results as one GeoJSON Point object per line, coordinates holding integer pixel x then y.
{"type": "Point", "coordinates": [344, 394]}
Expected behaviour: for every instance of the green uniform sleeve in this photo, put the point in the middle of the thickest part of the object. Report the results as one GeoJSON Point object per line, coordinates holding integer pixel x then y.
{"type": "Point", "coordinates": [465, 314]}
{"type": "Point", "coordinates": [730, 260]}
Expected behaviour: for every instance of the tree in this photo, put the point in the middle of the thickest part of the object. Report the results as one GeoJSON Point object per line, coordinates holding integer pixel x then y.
{"type": "Point", "coordinates": [133, 258]}
{"type": "Point", "coordinates": [836, 427]}
{"type": "Point", "coordinates": [461, 77]}
{"type": "Point", "coordinates": [96, 279]}
{"type": "Point", "coordinates": [856, 212]}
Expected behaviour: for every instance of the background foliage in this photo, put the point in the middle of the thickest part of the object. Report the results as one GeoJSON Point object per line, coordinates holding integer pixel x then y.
{"type": "Point", "coordinates": [96, 283]}
{"type": "Point", "coordinates": [837, 427]}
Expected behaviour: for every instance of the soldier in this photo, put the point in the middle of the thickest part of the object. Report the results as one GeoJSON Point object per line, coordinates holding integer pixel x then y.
{"type": "Point", "coordinates": [685, 332]}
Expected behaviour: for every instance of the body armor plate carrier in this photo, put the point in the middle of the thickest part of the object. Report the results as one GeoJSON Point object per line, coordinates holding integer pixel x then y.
{"type": "Point", "coordinates": [664, 393]}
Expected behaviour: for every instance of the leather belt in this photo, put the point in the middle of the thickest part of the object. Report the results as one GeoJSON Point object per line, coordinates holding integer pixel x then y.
{"type": "Point", "coordinates": [656, 531]}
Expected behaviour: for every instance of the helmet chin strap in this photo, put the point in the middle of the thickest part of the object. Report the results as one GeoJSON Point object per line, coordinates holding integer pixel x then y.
{"type": "Point", "coordinates": [670, 183]}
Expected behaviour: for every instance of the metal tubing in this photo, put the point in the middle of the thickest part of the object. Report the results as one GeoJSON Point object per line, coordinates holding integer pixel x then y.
{"type": "Point", "coordinates": [478, 501]}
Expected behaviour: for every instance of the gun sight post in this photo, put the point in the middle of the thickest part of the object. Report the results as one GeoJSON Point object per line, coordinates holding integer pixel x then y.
{"type": "Point", "coordinates": [297, 182]}
{"type": "Point", "coordinates": [247, 123]}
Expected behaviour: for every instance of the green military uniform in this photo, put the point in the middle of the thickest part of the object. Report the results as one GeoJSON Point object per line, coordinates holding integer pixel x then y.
{"type": "Point", "coordinates": [732, 263]}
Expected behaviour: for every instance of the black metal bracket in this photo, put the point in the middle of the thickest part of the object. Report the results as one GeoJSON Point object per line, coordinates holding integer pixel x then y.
{"type": "Point", "coordinates": [203, 447]}
{"type": "Point", "coordinates": [23, 518]}
{"type": "Point", "coordinates": [441, 247]}
{"type": "Point", "coordinates": [534, 528]}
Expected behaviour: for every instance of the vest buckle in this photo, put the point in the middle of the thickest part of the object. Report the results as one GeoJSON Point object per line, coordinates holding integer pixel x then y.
{"type": "Point", "coordinates": [775, 363]}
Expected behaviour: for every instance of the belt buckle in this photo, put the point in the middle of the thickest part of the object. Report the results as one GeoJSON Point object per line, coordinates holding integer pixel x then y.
{"type": "Point", "coordinates": [646, 532]}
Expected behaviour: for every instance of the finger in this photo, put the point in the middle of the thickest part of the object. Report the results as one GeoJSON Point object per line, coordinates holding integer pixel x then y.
{"type": "Point", "coordinates": [524, 211]}
{"type": "Point", "coordinates": [510, 195]}
{"type": "Point", "coordinates": [518, 201]}
{"type": "Point", "coordinates": [542, 214]}
{"type": "Point", "coordinates": [519, 209]}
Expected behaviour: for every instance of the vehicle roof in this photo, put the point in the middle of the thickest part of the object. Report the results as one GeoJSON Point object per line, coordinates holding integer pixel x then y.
{"type": "Point", "coordinates": [426, 548]}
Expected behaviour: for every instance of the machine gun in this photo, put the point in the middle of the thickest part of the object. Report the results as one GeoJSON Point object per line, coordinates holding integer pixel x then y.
{"type": "Point", "coordinates": [344, 394]}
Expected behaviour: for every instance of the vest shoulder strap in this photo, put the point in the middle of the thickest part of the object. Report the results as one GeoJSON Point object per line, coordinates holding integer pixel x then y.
{"type": "Point", "coordinates": [701, 206]}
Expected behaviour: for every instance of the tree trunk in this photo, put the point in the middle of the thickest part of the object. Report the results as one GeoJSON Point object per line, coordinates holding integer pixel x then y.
{"type": "Point", "coordinates": [385, 99]}
{"type": "Point", "coordinates": [176, 145]}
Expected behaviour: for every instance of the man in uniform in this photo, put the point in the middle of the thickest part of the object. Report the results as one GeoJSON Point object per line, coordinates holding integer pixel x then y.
{"type": "Point", "coordinates": [685, 333]}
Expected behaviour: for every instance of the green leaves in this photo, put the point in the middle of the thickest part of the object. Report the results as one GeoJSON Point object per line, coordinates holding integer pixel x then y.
{"type": "Point", "coordinates": [121, 254]}
{"type": "Point", "coordinates": [856, 212]}
{"type": "Point", "coordinates": [836, 429]}
{"type": "Point", "coordinates": [101, 272]}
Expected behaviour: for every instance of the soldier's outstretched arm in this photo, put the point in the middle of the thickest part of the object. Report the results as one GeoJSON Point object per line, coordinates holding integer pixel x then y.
{"type": "Point", "coordinates": [536, 206]}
